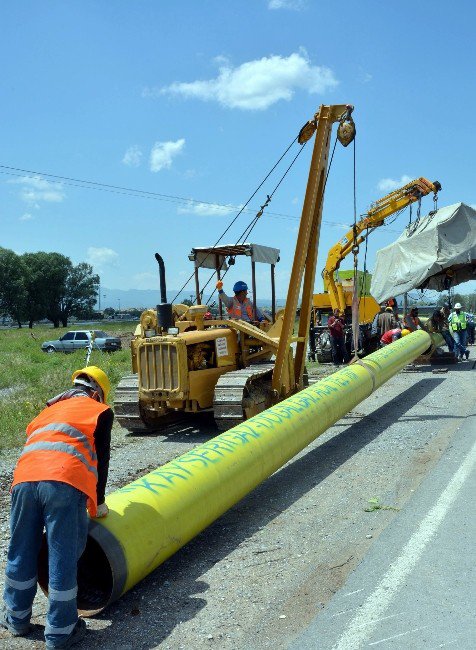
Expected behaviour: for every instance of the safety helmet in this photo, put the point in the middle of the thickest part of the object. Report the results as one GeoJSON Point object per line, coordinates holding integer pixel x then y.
{"type": "Point", "coordinates": [458, 305]}
{"type": "Point", "coordinates": [405, 332]}
{"type": "Point", "coordinates": [388, 308]}
{"type": "Point", "coordinates": [94, 378]}
{"type": "Point", "coordinates": [240, 286]}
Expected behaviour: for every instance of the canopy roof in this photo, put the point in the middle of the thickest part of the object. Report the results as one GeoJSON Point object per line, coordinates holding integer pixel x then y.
{"type": "Point", "coordinates": [428, 254]}
{"type": "Point", "coordinates": [205, 257]}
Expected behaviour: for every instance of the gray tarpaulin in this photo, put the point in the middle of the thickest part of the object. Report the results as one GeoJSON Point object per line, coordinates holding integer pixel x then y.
{"type": "Point", "coordinates": [440, 246]}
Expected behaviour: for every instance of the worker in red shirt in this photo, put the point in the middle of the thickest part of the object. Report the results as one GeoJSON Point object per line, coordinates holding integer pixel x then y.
{"type": "Point", "coordinates": [393, 335]}
{"type": "Point", "coordinates": [335, 325]}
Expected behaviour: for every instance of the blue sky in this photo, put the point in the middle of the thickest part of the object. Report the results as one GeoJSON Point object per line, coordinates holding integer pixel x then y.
{"type": "Point", "coordinates": [198, 100]}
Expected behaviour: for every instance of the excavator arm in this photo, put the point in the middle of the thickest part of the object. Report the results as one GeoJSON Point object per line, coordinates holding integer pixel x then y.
{"type": "Point", "coordinates": [375, 217]}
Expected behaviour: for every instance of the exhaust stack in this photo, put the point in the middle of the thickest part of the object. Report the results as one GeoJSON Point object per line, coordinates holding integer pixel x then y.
{"type": "Point", "coordinates": [164, 310]}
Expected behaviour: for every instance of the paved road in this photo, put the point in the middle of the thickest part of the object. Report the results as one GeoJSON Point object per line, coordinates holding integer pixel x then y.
{"type": "Point", "coordinates": [416, 586]}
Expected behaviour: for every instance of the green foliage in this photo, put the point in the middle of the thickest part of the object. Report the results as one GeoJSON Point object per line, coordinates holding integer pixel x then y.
{"type": "Point", "coordinates": [374, 504]}
{"type": "Point", "coordinates": [80, 291]}
{"type": "Point", "coordinates": [13, 292]}
{"type": "Point", "coordinates": [467, 300]}
{"type": "Point", "coordinates": [41, 285]}
{"type": "Point", "coordinates": [29, 377]}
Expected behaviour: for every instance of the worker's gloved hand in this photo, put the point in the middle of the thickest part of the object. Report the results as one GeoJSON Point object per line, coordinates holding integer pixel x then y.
{"type": "Point", "coordinates": [102, 511]}
{"type": "Point", "coordinates": [219, 285]}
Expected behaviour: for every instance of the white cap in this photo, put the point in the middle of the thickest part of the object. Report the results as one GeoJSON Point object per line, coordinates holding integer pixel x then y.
{"type": "Point", "coordinates": [458, 305]}
{"type": "Point", "coordinates": [89, 383]}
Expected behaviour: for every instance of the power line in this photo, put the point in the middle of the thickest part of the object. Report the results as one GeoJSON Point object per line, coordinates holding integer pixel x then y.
{"type": "Point", "coordinates": [128, 191]}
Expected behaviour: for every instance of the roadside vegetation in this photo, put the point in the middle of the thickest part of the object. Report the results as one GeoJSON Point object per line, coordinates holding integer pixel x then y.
{"type": "Point", "coordinates": [28, 376]}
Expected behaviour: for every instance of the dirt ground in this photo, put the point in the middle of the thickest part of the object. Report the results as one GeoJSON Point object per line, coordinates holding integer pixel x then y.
{"type": "Point", "coordinates": [261, 572]}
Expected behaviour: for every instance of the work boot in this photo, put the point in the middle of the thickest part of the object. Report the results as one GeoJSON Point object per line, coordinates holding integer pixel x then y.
{"type": "Point", "coordinates": [15, 630]}
{"type": "Point", "coordinates": [466, 354]}
{"type": "Point", "coordinates": [76, 635]}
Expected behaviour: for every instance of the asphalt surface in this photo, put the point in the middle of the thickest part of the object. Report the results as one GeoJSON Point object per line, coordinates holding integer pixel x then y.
{"type": "Point", "coordinates": [416, 586]}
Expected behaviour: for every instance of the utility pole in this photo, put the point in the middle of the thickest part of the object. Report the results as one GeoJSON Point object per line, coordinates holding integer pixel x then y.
{"type": "Point", "coordinates": [99, 296]}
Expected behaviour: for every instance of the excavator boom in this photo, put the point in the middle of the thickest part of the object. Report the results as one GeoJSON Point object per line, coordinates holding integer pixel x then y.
{"type": "Point", "coordinates": [375, 217]}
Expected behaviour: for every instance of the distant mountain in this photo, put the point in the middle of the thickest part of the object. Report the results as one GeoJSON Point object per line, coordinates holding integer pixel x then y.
{"type": "Point", "coordinates": [121, 299]}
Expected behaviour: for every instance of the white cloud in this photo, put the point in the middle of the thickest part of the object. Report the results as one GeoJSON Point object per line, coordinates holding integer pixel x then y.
{"type": "Point", "coordinates": [133, 156]}
{"type": "Point", "coordinates": [207, 209]}
{"type": "Point", "coordinates": [257, 85]}
{"type": "Point", "coordinates": [296, 5]}
{"type": "Point", "coordinates": [35, 189]}
{"type": "Point", "coordinates": [26, 217]}
{"type": "Point", "coordinates": [363, 76]}
{"type": "Point", "coordinates": [163, 153]}
{"type": "Point", "coordinates": [390, 184]}
{"type": "Point", "coordinates": [100, 258]}
{"type": "Point", "coordinates": [146, 280]}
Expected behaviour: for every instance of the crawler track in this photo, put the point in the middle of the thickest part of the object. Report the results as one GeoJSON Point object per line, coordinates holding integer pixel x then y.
{"type": "Point", "coordinates": [240, 391]}
{"type": "Point", "coordinates": [128, 413]}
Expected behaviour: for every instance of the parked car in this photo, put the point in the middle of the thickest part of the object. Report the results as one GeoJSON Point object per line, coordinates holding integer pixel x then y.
{"type": "Point", "coordinates": [79, 340]}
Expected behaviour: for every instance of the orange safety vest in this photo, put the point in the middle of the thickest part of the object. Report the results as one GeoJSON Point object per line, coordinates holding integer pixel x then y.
{"type": "Point", "coordinates": [235, 310]}
{"type": "Point", "coordinates": [60, 447]}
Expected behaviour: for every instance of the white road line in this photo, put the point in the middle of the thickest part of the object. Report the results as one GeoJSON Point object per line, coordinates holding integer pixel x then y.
{"type": "Point", "coordinates": [396, 636]}
{"type": "Point", "coordinates": [357, 591]}
{"type": "Point", "coordinates": [362, 626]}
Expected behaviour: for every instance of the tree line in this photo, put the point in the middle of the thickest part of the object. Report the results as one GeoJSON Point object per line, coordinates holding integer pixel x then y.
{"type": "Point", "coordinates": [34, 286]}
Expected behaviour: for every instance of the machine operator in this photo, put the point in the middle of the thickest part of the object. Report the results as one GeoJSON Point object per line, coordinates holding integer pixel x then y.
{"type": "Point", "coordinates": [240, 306]}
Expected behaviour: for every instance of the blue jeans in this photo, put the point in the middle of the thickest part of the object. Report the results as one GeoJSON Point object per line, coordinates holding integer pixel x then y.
{"type": "Point", "coordinates": [339, 351]}
{"type": "Point", "coordinates": [460, 341]}
{"type": "Point", "coordinates": [448, 340]}
{"type": "Point", "coordinates": [61, 509]}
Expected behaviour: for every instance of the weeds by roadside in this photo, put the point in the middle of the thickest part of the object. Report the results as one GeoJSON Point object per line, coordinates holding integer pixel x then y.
{"type": "Point", "coordinates": [374, 504]}
{"type": "Point", "coordinates": [28, 376]}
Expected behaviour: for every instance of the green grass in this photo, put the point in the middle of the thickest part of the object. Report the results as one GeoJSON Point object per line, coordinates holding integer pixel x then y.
{"type": "Point", "coordinates": [29, 377]}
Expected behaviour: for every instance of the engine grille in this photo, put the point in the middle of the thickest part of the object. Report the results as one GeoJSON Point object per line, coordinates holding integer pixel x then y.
{"type": "Point", "coordinates": [158, 367]}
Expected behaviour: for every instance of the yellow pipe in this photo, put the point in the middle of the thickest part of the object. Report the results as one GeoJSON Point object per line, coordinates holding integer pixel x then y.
{"type": "Point", "coordinates": [154, 516]}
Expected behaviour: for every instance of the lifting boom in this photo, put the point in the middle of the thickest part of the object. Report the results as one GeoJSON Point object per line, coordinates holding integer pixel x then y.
{"type": "Point", "coordinates": [375, 217]}
{"type": "Point", "coordinates": [286, 379]}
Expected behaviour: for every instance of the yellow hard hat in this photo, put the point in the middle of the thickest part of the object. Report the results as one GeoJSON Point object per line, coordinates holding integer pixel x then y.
{"type": "Point", "coordinates": [405, 332]}
{"type": "Point", "coordinates": [97, 375]}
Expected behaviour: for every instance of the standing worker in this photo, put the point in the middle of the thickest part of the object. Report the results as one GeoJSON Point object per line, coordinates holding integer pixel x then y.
{"type": "Point", "coordinates": [335, 325]}
{"type": "Point", "coordinates": [61, 471]}
{"type": "Point", "coordinates": [386, 320]}
{"type": "Point", "coordinates": [412, 322]}
{"type": "Point", "coordinates": [458, 326]}
{"type": "Point", "coordinates": [445, 327]}
{"type": "Point", "coordinates": [240, 306]}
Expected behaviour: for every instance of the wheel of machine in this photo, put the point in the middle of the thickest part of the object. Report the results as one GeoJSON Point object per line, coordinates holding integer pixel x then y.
{"type": "Point", "coordinates": [323, 347]}
{"type": "Point", "coordinates": [50, 349]}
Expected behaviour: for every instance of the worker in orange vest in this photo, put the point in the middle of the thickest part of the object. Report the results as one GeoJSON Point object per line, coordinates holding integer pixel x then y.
{"type": "Point", "coordinates": [412, 321]}
{"type": "Point", "coordinates": [239, 307]}
{"type": "Point", "coordinates": [61, 472]}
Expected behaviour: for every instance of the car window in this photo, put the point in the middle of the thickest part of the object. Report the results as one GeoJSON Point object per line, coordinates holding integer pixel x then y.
{"type": "Point", "coordinates": [81, 336]}
{"type": "Point", "coordinates": [99, 334]}
{"type": "Point", "coordinates": [69, 336]}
